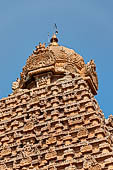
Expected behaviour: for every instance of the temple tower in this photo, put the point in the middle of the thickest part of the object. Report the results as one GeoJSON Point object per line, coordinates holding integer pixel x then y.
{"type": "Point", "coordinates": [52, 121]}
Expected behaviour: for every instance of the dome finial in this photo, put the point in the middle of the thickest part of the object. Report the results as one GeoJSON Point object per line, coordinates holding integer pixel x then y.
{"type": "Point", "coordinates": [54, 39]}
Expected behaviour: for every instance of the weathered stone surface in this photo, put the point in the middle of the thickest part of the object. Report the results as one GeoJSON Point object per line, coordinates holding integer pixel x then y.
{"type": "Point", "coordinates": [52, 121]}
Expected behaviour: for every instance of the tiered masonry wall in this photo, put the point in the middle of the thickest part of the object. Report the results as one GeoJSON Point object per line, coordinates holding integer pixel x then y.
{"type": "Point", "coordinates": [54, 127]}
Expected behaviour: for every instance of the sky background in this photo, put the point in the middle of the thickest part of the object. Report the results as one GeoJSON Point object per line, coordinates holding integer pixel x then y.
{"type": "Point", "coordinates": [84, 25]}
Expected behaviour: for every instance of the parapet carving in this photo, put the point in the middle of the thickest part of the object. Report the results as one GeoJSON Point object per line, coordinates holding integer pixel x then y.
{"type": "Point", "coordinates": [110, 120]}
{"type": "Point", "coordinates": [15, 84]}
{"type": "Point", "coordinates": [89, 74]}
{"type": "Point", "coordinates": [90, 70]}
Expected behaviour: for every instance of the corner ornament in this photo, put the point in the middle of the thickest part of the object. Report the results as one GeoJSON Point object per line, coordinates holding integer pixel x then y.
{"type": "Point", "coordinates": [89, 74]}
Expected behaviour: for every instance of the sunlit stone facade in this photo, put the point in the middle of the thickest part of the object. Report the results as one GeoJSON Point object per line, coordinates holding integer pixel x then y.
{"type": "Point", "coordinates": [52, 121]}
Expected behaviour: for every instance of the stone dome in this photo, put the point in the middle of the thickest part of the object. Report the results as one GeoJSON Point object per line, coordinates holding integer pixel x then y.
{"type": "Point", "coordinates": [57, 60]}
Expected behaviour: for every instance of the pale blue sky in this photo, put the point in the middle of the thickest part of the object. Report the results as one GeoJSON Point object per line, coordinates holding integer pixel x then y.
{"type": "Point", "coordinates": [84, 25]}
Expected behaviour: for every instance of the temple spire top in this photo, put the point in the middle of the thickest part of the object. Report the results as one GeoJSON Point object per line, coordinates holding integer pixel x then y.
{"type": "Point", "coordinates": [54, 40]}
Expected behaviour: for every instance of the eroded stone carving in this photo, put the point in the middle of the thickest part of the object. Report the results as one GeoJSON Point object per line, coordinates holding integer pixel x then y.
{"type": "Point", "coordinates": [90, 70]}
{"type": "Point", "coordinates": [15, 85]}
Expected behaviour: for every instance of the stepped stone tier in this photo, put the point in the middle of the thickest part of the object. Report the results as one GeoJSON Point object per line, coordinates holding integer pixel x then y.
{"type": "Point", "coordinates": [52, 121]}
